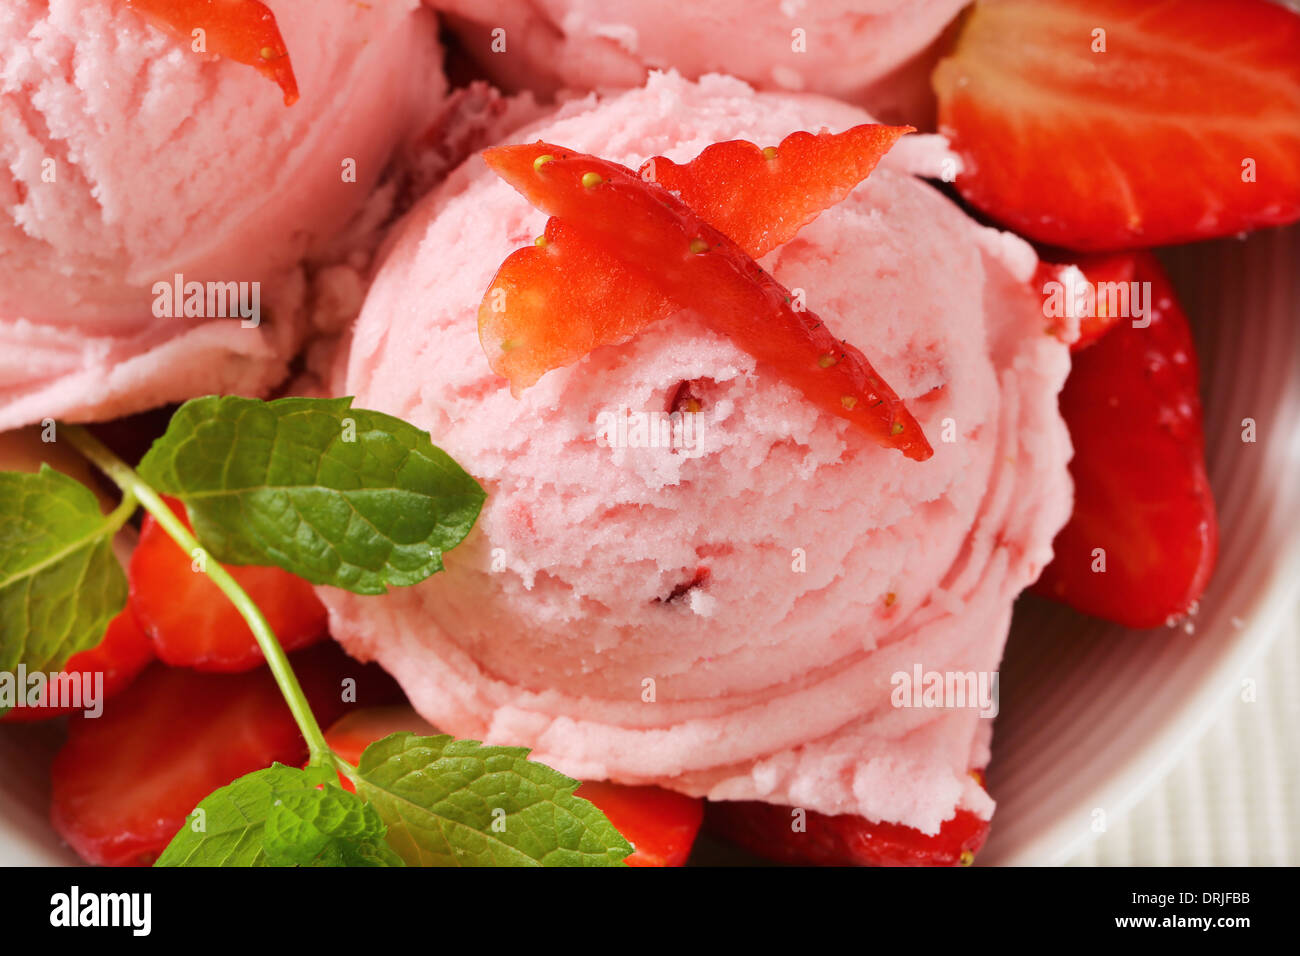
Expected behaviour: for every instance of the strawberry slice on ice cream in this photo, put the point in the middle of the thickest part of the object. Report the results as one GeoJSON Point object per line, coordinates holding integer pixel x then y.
{"type": "Point", "coordinates": [680, 261]}
{"type": "Point", "coordinates": [241, 30]}
{"type": "Point", "coordinates": [760, 198]}
{"type": "Point", "coordinates": [1110, 124]}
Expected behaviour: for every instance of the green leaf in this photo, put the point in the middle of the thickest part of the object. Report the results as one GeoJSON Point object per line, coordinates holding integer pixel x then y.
{"type": "Point", "coordinates": [60, 583]}
{"type": "Point", "coordinates": [346, 497]}
{"type": "Point", "coordinates": [279, 817]}
{"type": "Point", "coordinates": [457, 803]}
{"type": "Point", "coordinates": [325, 826]}
{"type": "Point", "coordinates": [226, 827]}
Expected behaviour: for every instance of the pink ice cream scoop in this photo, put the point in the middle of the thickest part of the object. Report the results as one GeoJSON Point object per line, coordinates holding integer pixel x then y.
{"type": "Point", "coordinates": [839, 47]}
{"type": "Point", "coordinates": [127, 160]}
{"type": "Point", "coordinates": [726, 609]}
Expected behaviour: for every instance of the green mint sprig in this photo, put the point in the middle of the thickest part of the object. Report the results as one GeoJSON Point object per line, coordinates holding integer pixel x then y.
{"type": "Point", "coordinates": [340, 496]}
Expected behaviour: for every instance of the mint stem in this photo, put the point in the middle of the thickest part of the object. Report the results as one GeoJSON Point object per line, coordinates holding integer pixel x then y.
{"type": "Point", "coordinates": [134, 487]}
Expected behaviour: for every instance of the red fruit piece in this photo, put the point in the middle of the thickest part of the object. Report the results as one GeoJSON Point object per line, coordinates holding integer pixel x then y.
{"type": "Point", "coordinates": [241, 30]}
{"type": "Point", "coordinates": [1107, 291]}
{"type": "Point", "coordinates": [661, 825]}
{"type": "Point", "coordinates": [766, 830]}
{"type": "Point", "coordinates": [690, 264]}
{"type": "Point", "coordinates": [192, 624]}
{"type": "Point", "coordinates": [352, 734]}
{"type": "Point", "coordinates": [1141, 492]}
{"type": "Point", "coordinates": [760, 198]}
{"type": "Point", "coordinates": [1186, 125]}
{"type": "Point", "coordinates": [551, 304]}
{"type": "Point", "coordinates": [124, 783]}
{"type": "Point", "coordinates": [119, 657]}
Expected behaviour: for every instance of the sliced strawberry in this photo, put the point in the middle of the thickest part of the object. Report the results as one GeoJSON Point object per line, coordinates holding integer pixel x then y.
{"type": "Point", "coordinates": [119, 657]}
{"type": "Point", "coordinates": [760, 198]}
{"type": "Point", "coordinates": [241, 30]}
{"type": "Point", "coordinates": [1107, 279]}
{"type": "Point", "coordinates": [661, 825]}
{"type": "Point", "coordinates": [351, 734]}
{"type": "Point", "coordinates": [124, 783]}
{"type": "Point", "coordinates": [769, 831]}
{"type": "Point", "coordinates": [1142, 500]}
{"type": "Point", "coordinates": [192, 624]}
{"type": "Point", "coordinates": [560, 300]}
{"type": "Point", "coordinates": [692, 265]}
{"type": "Point", "coordinates": [1186, 125]}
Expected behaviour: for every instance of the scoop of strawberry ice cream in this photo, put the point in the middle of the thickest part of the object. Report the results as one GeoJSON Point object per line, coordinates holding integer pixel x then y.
{"type": "Point", "coordinates": [725, 617]}
{"type": "Point", "coordinates": [127, 159]}
{"type": "Point", "coordinates": [840, 47]}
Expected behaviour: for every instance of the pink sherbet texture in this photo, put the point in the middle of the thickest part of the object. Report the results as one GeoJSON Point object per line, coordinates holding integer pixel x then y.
{"type": "Point", "coordinates": [833, 563]}
{"type": "Point", "coordinates": [168, 162]}
{"type": "Point", "coordinates": [838, 47]}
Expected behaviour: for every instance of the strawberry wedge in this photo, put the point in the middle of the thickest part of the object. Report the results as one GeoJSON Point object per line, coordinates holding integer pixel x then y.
{"type": "Point", "coordinates": [241, 30]}
{"type": "Point", "coordinates": [680, 261]}
{"type": "Point", "coordinates": [760, 198]}
{"type": "Point", "coordinates": [1143, 505]}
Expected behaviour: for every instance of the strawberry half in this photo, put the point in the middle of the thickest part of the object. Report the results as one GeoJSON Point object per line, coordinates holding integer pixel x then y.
{"type": "Point", "coordinates": [124, 783]}
{"type": "Point", "coordinates": [682, 261]}
{"type": "Point", "coordinates": [192, 624]}
{"type": "Point", "coordinates": [241, 30]}
{"type": "Point", "coordinates": [1141, 493]}
{"type": "Point", "coordinates": [767, 830]}
{"type": "Point", "coordinates": [660, 824]}
{"type": "Point", "coordinates": [1111, 124]}
{"type": "Point", "coordinates": [123, 653]}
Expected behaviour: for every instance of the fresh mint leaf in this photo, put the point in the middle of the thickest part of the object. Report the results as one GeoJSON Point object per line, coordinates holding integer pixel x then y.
{"type": "Point", "coordinates": [310, 825]}
{"type": "Point", "coordinates": [338, 495]}
{"type": "Point", "coordinates": [60, 583]}
{"type": "Point", "coordinates": [458, 803]}
{"type": "Point", "coordinates": [281, 816]}
{"type": "Point", "coordinates": [226, 827]}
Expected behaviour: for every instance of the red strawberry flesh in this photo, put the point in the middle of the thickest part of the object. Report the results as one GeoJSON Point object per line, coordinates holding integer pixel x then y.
{"type": "Point", "coordinates": [124, 783]}
{"type": "Point", "coordinates": [1110, 124]}
{"type": "Point", "coordinates": [768, 830]}
{"type": "Point", "coordinates": [761, 197]}
{"type": "Point", "coordinates": [1141, 544]}
{"type": "Point", "coordinates": [193, 624]}
{"type": "Point", "coordinates": [241, 30]}
{"type": "Point", "coordinates": [697, 267]}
